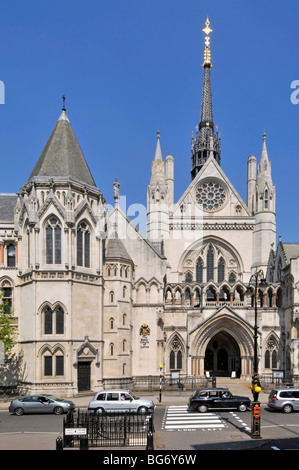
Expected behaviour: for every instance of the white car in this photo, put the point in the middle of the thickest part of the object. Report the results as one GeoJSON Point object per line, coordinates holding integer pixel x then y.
{"type": "Point", "coordinates": [119, 400]}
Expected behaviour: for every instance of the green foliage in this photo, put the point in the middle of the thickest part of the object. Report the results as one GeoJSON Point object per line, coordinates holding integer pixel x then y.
{"type": "Point", "coordinates": [8, 333]}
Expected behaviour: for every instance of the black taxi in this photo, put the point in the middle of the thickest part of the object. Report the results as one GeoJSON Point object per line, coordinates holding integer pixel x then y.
{"type": "Point", "coordinates": [205, 399]}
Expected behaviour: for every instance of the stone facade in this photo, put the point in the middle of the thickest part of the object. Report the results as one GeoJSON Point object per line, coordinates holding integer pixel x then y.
{"type": "Point", "coordinates": [95, 300]}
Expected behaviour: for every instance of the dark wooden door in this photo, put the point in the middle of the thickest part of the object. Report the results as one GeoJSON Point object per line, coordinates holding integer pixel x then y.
{"type": "Point", "coordinates": [83, 376]}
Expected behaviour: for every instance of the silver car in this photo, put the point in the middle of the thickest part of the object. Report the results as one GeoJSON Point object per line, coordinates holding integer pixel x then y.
{"type": "Point", "coordinates": [40, 404]}
{"type": "Point", "coordinates": [119, 400]}
{"type": "Point", "coordinates": [286, 400]}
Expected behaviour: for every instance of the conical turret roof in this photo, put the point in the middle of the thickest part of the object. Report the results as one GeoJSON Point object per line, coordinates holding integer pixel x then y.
{"type": "Point", "coordinates": [62, 155]}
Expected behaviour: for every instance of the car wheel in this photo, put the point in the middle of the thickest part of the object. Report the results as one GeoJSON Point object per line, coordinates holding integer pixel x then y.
{"type": "Point", "coordinates": [287, 409]}
{"type": "Point", "coordinates": [142, 410]}
{"type": "Point", "coordinates": [100, 411]}
{"type": "Point", "coordinates": [202, 408]}
{"type": "Point", "coordinates": [242, 407]}
{"type": "Point", "coordinates": [58, 410]}
{"type": "Point", "coordinates": [19, 411]}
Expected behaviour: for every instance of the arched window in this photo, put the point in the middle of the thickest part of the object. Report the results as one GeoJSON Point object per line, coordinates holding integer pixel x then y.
{"type": "Point", "coordinates": [11, 255]}
{"type": "Point", "coordinates": [48, 321]}
{"type": "Point", "coordinates": [53, 241]}
{"type": "Point", "coordinates": [187, 297]}
{"type": "Point", "coordinates": [111, 349]}
{"type": "Point", "coordinates": [83, 245]}
{"type": "Point", "coordinates": [53, 364]}
{"type": "Point", "coordinates": [175, 354]}
{"type": "Point", "coordinates": [274, 359]}
{"type": "Point", "coordinates": [210, 264]}
{"type": "Point", "coordinates": [267, 360]}
{"type": "Point", "coordinates": [111, 323]}
{"type": "Point", "coordinates": [271, 358]}
{"type": "Point", "coordinates": [59, 321]}
{"type": "Point", "coordinates": [53, 321]}
{"type": "Point", "coordinates": [6, 290]}
{"type": "Point", "coordinates": [111, 295]}
{"type": "Point", "coordinates": [199, 277]}
{"type": "Point", "coordinates": [221, 266]}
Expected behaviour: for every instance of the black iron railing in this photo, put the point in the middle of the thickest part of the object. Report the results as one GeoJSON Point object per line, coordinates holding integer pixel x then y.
{"type": "Point", "coordinates": [113, 429]}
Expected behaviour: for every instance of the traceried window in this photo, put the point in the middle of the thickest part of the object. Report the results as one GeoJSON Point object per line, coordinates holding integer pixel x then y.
{"type": "Point", "coordinates": [271, 358]}
{"type": "Point", "coordinates": [211, 196]}
{"type": "Point", "coordinates": [53, 241]}
{"type": "Point", "coordinates": [175, 355]}
{"type": "Point", "coordinates": [83, 245]}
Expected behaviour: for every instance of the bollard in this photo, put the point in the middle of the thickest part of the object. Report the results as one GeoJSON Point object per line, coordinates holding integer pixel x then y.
{"type": "Point", "coordinates": [59, 443]}
{"type": "Point", "coordinates": [84, 443]}
{"type": "Point", "coordinates": [150, 441]}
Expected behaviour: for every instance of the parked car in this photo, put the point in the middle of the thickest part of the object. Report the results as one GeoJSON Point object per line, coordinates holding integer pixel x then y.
{"type": "Point", "coordinates": [119, 400]}
{"type": "Point", "coordinates": [205, 399]}
{"type": "Point", "coordinates": [40, 404]}
{"type": "Point", "coordinates": [285, 399]}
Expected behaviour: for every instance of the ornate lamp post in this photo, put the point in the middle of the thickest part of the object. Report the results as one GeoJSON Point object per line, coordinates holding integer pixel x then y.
{"type": "Point", "coordinates": [256, 280]}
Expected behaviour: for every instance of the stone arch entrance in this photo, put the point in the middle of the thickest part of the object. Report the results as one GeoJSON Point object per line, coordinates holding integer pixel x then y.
{"type": "Point", "coordinates": [222, 355]}
{"type": "Point", "coordinates": [222, 345]}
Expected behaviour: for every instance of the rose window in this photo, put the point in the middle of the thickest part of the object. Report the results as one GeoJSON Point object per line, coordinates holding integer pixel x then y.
{"type": "Point", "coordinates": [211, 196]}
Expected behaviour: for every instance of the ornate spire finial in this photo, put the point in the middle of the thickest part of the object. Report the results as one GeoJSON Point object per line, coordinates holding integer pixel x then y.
{"type": "Point", "coordinates": [207, 53]}
{"type": "Point", "coordinates": [63, 102]}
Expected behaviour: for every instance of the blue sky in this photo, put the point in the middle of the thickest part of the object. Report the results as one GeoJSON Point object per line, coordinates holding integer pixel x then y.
{"type": "Point", "coordinates": [131, 67]}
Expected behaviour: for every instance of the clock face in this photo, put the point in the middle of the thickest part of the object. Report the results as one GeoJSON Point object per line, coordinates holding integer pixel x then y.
{"type": "Point", "coordinates": [211, 196]}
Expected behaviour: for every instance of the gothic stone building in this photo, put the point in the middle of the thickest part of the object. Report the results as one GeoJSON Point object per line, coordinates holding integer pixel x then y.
{"type": "Point", "coordinates": [95, 299]}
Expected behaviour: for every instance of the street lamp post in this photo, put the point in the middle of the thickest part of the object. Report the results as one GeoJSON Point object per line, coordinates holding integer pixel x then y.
{"type": "Point", "coordinates": [256, 280]}
{"type": "Point", "coordinates": [161, 378]}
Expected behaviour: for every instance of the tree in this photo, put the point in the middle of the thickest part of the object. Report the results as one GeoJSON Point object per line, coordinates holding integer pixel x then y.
{"type": "Point", "coordinates": [8, 333]}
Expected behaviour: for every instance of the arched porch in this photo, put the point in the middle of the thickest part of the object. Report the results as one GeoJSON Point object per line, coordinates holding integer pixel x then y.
{"type": "Point", "coordinates": [222, 345]}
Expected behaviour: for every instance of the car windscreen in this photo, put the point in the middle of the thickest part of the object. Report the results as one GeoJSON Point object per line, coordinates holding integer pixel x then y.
{"type": "Point", "coordinates": [55, 398]}
{"type": "Point", "coordinates": [273, 393]}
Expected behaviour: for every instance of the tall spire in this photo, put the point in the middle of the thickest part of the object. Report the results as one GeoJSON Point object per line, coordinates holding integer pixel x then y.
{"type": "Point", "coordinates": [206, 141]}
{"type": "Point", "coordinates": [158, 154]}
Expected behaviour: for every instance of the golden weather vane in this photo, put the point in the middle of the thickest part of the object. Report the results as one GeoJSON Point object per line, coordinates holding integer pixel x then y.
{"type": "Point", "coordinates": [207, 53]}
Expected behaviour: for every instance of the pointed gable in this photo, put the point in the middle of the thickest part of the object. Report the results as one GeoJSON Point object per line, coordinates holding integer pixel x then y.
{"type": "Point", "coordinates": [62, 155]}
{"type": "Point", "coordinates": [212, 172]}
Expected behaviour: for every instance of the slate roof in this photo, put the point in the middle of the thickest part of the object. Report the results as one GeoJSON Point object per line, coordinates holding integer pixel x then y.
{"type": "Point", "coordinates": [291, 250]}
{"type": "Point", "coordinates": [62, 155]}
{"type": "Point", "coordinates": [7, 205]}
{"type": "Point", "coordinates": [115, 249]}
